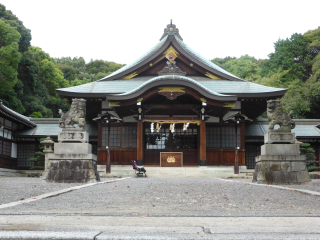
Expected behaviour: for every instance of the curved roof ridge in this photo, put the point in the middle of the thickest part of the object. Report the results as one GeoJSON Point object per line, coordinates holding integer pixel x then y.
{"type": "Point", "coordinates": [173, 77]}
{"type": "Point", "coordinates": [202, 59]}
{"type": "Point", "coordinates": [138, 60]}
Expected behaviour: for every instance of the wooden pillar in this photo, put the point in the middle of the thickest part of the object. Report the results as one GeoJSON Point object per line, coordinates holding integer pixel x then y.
{"type": "Point", "coordinates": [139, 142]}
{"type": "Point", "coordinates": [203, 155]}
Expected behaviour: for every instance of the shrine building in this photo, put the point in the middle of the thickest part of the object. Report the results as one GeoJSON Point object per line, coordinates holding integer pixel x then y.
{"type": "Point", "coordinates": [171, 99]}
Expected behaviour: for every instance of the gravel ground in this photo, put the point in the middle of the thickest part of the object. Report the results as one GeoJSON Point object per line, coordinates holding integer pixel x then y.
{"type": "Point", "coordinates": [314, 186]}
{"type": "Point", "coordinates": [176, 196]}
{"type": "Point", "coordinates": [15, 188]}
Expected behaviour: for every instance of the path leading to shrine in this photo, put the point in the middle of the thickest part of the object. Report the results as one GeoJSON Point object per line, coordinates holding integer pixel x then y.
{"type": "Point", "coordinates": [146, 208]}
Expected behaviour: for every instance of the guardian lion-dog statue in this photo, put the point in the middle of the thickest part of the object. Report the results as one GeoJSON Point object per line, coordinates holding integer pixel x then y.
{"type": "Point", "coordinates": [277, 116]}
{"type": "Point", "coordinates": [76, 114]}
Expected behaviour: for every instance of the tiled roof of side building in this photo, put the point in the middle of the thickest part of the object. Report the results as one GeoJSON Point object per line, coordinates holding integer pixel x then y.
{"type": "Point", "coordinates": [123, 86]}
{"type": "Point", "coordinates": [202, 59]}
{"type": "Point", "coordinates": [303, 128]}
{"type": "Point", "coordinates": [16, 116]}
{"type": "Point", "coordinates": [138, 60]}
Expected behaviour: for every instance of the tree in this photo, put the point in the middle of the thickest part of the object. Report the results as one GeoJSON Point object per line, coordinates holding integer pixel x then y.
{"type": "Point", "coordinates": [290, 54]}
{"type": "Point", "coordinates": [9, 60]}
{"type": "Point", "coordinates": [305, 149]}
{"type": "Point", "coordinates": [243, 67]}
{"type": "Point", "coordinates": [8, 17]}
{"type": "Point", "coordinates": [222, 61]}
{"type": "Point", "coordinates": [39, 78]}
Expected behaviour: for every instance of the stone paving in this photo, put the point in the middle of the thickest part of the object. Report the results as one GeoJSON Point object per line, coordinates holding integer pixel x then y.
{"type": "Point", "coordinates": [164, 196]}
{"type": "Point", "coordinates": [15, 188]}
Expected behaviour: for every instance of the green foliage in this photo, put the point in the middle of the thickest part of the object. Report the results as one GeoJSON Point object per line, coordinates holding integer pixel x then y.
{"type": "Point", "coordinates": [9, 60]}
{"type": "Point", "coordinates": [36, 115]}
{"type": "Point", "coordinates": [305, 149]}
{"type": "Point", "coordinates": [39, 78]}
{"type": "Point", "coordinates": [290, 54]}
{"type": "Point", "coordinates": [8, 17]}
{"type": "Point", "coordinates": [77, 81]}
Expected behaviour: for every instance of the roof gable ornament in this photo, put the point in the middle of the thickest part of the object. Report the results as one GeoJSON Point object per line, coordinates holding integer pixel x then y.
{"type": "Point", "coordinates": [172, 68]}
{"type": "Point", "coordinates": [171, 30]}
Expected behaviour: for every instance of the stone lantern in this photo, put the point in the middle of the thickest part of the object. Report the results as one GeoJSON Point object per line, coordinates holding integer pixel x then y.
{"type": "Point", "coordinates": [48, 143]}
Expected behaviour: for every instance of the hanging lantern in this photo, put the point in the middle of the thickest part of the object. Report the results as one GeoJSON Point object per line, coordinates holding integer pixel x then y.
{"type": "Point", "coordinates": [157, 127]}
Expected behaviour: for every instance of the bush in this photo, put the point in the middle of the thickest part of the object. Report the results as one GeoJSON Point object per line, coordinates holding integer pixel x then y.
{"type": "Point", "coordinates": [305, 149]}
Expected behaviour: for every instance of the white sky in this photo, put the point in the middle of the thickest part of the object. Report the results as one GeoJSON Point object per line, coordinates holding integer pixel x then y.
{"type": "Point", "coordinates": [121, 30]}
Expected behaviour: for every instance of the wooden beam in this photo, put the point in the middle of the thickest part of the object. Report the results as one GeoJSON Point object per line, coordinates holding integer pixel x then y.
{"type": "Point", "coordinates": [140, 142]}
{"type": "Point", "coordinates": [172, 118]}
{"type": "Point", "coordinates": [203, 143]}
{"type": "Point", "coordinates": [186, 61]}
{"type": "Point", "coordinates": [158, 106]}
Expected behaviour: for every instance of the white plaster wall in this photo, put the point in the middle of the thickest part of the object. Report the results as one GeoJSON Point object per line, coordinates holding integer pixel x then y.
{"type": "Point", "coordinates": [14, 150]}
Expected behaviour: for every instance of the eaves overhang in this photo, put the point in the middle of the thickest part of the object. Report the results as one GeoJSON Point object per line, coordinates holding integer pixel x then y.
{"type": "Point", "coordinates": [16, 116]}
{"type": "Point", "coordinates": [141, 61]}
{"type": "Point", "coordinates": [201, 61]}
{"type": "Point", "coordinates": [173, 80]}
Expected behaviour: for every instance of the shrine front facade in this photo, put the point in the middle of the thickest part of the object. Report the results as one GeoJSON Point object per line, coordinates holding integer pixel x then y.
{"type": "Point", "coordinates": [172, 102]}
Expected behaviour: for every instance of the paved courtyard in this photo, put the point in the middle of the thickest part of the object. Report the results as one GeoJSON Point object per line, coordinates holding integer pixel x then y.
{"type": "Point", "coordinates": [169, 196]}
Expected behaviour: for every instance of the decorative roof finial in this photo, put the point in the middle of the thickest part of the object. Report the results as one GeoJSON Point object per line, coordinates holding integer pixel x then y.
{"type": "Point", "coordinates": [171, 30]}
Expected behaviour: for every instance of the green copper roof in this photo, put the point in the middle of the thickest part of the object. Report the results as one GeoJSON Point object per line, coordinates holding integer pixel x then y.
{"type": "Point", "coordinates": [202, 59]}
{"type": "Point", "coordinates": [304, 128]}
{"type": "Point", "coordinates": [123, 86]}
{"type": "Point", "coordinates": [139, 60]}
{"type": "Point", "coordinates": [173, 77]}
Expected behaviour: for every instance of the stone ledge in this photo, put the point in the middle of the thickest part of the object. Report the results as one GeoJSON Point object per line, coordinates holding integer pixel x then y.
{"type": "Point", "coordinates": [62, 156]}
{"type": "Point", "coordinates": [281, 158]}
{"type": "Point", "coordinates": [280, 149]}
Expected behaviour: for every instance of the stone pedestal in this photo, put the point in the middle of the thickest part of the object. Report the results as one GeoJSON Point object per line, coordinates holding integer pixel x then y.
{"type": "Point", "coordinates": [72, 160]}
{"type": "Point", "coordinates": [279, 137]}
{"type": "Point", "coordinates": [280, 163]}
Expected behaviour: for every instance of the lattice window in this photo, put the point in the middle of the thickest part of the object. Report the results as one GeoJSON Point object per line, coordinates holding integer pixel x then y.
{"type": "Point", "coordinates": [129, 136]}
{"type": "Point", "coordinates": [94, 148]}
{"type": "Point", "coordinates": [213, 136]}
{"type": "Point", "coordinates": [185, 139]}
{"type": "Point", "coordinates": [6, 148]}
{"type": "Point", "coordinates": [157, 140]}
{"type": "Point", "coordinates": [125, 136]}
{"type": "Point", "coordinates": [25, 151]}
{"type": "Point", "coordinates": [1, 146]}
{"type": "Point", "coordinates": [228, 136]}
{"type": "Point", "coordinates": [252, 151]}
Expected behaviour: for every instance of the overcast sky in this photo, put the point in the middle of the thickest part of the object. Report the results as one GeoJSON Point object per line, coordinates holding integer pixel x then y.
{"type": "Point", "coordinates": [121, 30]}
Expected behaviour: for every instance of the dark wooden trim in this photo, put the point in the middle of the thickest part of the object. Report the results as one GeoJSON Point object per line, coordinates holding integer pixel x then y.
{"type": "Point", "coordinates": [140, 140]}
{"type": "Point", "coordinates": [203, 141]}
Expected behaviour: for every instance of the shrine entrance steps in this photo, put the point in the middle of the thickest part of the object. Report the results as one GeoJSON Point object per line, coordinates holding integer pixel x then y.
{"type": "Point", "coordinates": [173, 172]}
